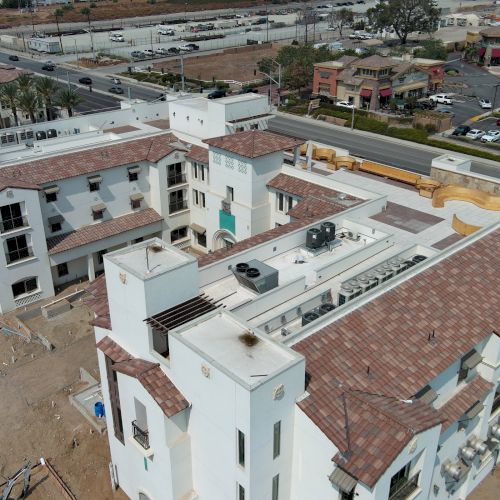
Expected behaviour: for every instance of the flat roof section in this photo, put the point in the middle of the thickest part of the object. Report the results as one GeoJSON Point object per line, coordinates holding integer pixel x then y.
{"type": "Point", "coordinates": [220, 339]}
{"type": "Point", "coordinates": [406, 218]}
{"type": "Point", "coordinates": [448, 241]}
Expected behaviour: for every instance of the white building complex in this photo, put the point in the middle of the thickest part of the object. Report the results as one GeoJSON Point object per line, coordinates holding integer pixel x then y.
{"type": "Point", "coordinates": [351, 351]}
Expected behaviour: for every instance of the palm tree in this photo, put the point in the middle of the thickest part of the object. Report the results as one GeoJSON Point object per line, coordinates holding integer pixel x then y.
{"type": "Point", "coordinates": [27, 101]}
{"type": "Point", "coordinates": [58, 13]}
{"type": "Point", "coordinates": [86, 12]}
{"type": "Point", "coordinates": [47, 89]}
{"type": "Point", "coordinates": [8, 94]}
{"type": "Point", "coordinates": [24, 82]}
{"type": "Point", "coordinates": [68, 99]}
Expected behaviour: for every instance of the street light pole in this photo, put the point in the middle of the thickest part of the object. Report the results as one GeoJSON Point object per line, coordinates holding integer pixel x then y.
{"type": "Point", "coordinates": [494, 96]}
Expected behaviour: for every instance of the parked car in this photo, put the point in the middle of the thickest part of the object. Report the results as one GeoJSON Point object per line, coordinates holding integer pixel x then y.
{"type": "Point", "coordinates": [248, 90]}
{"type": "Point", "coordinates": [138, 54]}
{"type": "Point", "coordinates": [173, 50]}
{"type": "Point", "coordinates": [85, 80]}
{"type": "Point", "coordinates": [193, 46]}
{"type": "Point", "coordinates": [461, 130]}
{"type": "Point", "coordinates": [186, 47]}
{"type": "Point", "coordinates": [167, 32]}
{"type": "Point", "coordinates": [441, 99]}
{"type": "Point", "coordinates": [485, 103]}
{"type": "Point", "coordinates": [445, 111]}
{"type": "Point", "coordinates": [345, 104]}
{"type": "Point", "coordinates": [498, 122]}
{"type": "Point", "coordinates": [148, 52]}
{"type": "Point", "coordinates": [116, 37]}
{"type": "Point", "coordinates": [475, 134]}
{"type": "Point", "coordinates": [491, 136]}
{"type": "Point", "coordinates": [216, 94]}
{"type": "Point", "coordinates": [161, 51]}
{"type": "Point", "coordinates": [115, 90]}
{"type": "Point", "coordinates": [13, 58]}
{"type": "Point", "coordinates": [425, 105]}
{"type": "Point", "coordinates": [116, 81]}
{"type": "Point", "coordinates": [48, 67]}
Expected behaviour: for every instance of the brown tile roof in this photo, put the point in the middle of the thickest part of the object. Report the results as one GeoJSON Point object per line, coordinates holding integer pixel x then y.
{"type": "Point", "coordinates": [253, 241]}
{"type": "Point", "coordinates": [10, 73]}
{"type": "Point", "coordinates": [6, 183]}
{"type": "Point", "coordinates": [314, 207]}
{"type": "Point", "coordinates": [197, 153]}
{"type": "Point", "coordinates": [254, 143]}
{"type": "Point", "coordinates": [102, 230]}
{"type": "Point", "coordinates": [121, 130]}
{"type": "Point", "coordinates": [382, 347]}
{"type": "Point", "coordinates": [93, 160]}
{"type": "Point", "coordinates": [492, 31]}
{"type": "Point", "coordinates": [150, 375]}
{"type": "Point", "coordinates": [456, 407]}
{"type": "Point", "coordinates": [346, 60]}
{"type": "Point", "coordinates": [97, 301]}
{"type": "Point", "coordinates": [375, 62]}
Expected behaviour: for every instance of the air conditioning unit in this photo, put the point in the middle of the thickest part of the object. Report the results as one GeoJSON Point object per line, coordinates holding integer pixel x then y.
{"type": "Point", "coordinates": [454, 470]}
{"type": "Point", "coordinates": [348, 291]}
{"type": "Point", "coordinates": [11, 137]}
{"type": "Point", "coordinates": [256, 276]}
{"type": "Point", "coordinates": [494, 431]}
{"type": "Point", "coordinates": [478, 444]}
{"type": "Point", "coordinates": [467, 452]}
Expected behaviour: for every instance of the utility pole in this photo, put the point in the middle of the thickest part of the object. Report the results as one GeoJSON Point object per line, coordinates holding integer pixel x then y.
{"type": "Point", "coordinates": [494, 97]}
{"type": "Point", "coordinates": [182, 72]}
{"type": "Point", "coordinates": [76, 53]}
{"type": "Point", "coordinates": [69, 84]}
{"type": "Point", "coordinates": [151, 39]}
{"type": "Point", "coordinates": [267, 24]}
{"type": "Point", "coordinates": [352, 118]}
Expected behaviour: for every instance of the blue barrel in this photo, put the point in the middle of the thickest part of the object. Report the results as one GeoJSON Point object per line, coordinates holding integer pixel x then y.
{"type": "Point", "coordinates": [99, 409]}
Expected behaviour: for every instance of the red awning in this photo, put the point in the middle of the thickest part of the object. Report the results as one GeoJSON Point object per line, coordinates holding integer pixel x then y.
{"type": "Point", "coordinates": [365, 93]}
{"type": "Point", "coordinates": [495, 53]}
{"type": "Point", "coordinates": [385, 92]}
{"type": "Point", "coordinates": [482, 51]}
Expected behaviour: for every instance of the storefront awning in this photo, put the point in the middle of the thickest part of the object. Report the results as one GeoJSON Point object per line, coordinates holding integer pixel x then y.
{"type": "Point", "coordinates": [365, 92]}
{"type": "Point", "coordinates": [385, 92]}
{"type": "Point", "coordinates": [197, 228]}
{"type": "Point", "coordinates": [482, 50]}
{"type": "Point", "coordinates": [495, 53]}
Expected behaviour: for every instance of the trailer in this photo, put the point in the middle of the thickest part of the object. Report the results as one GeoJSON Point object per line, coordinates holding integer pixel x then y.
{"type": "Point", "coordinates": [47, 45]}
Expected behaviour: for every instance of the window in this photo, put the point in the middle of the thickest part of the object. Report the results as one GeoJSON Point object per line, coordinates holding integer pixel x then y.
{"type": "Point", "coordinates": [277, 439]}
{"type": "Point", "coordinates": [62, 269]}
{"type": "Point", "coordinates": [496, 401]}
{"type": "Point", "coordinates": [241, 492]}
{"type": "Point", "coordinates": [240, 129]}
{"type": "Point", "coordinates": [195, 197]}
{"type": "Point", "coordinates": [136, 200]}
{"type": "Point", "coordinates": [138, 240]}
{"type": "Point", "coordinates": [276, 486]}
{"type": "Point", "coordinates": [469, 361]}
{"type": "Point", "coordinates": [135, 204]}
{"type": "Point", "coordinates": [281, 198]}
{"type": "Point", "coordinates": [98, 214]}
{"type": "Point", "coordinates": [399, 479]}
{"type": "Point", "coordinates": [140, 425]}
{"type": "Point", "coordinates": [201, 239]}
{"type": "Point", "coordinates": [114, 399]}
{"type": "Point", "coordinates": [241, 448]}
{"type": "Point", "coordinates": [56, 226]}
{"type": "Point", "coordinates": [25, 286]}
{"type": "Point", "coordinates": [344, 495]}
{"type": "Point", "coordinates": [100, 256]}
{"type": "Point", "coordinates": [133, 173]}
{"type": "Point", "coordinates": [179, 233]}
{"type": "Point", "coordinates": [50, 197]}
{"type": "Point", "coordinates": [195, 170]}
{"type": "Point", "coordinates": [17, 249]}
{"type": "Point", "coordinates": [177, 201]}
{"type": "Point", "coordinates": [198, 198]}
{"type": "Point", "coordinates": [12, 217]}
{"type": "Point", "coordinates": [289, 202]}
{"type": "Point", "coordinates": [202, 171]}
{"type": "Point", "coordinates": [175, 175]}
{"type": "Point", "coordinates": [254, 126]}
{"type": "Point", "coordinates": [95, 183]}
{"type": "Point", "coordinates": [229, 193]}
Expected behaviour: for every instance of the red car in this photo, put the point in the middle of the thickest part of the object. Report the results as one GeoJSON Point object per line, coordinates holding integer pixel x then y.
{"type": "Point", "coordinates": [498, 122]}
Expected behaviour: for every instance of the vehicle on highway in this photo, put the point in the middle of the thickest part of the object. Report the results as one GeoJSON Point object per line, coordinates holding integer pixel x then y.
{"type": "Point", "coordinates": [116, 37]}
{"type": "Point", "coordinates": [115, 90]}
{"type": "Point", "coordinates": [445, 111]}
{"type": "Point", "coordinates": [441, 99]}
{"type": "Point", "coordinates": [485, 103]}
{"type": "Point", "coordinates": [148, 52]}
{"type": "Point", "coordinates": [461, 130]}
{"type": "Point", "coordinates": [474, 134]}
{"type": "Point", "coordinates": [331, 28]}
{"type": "Point", "coordinates": [116, 81]}
{"type": "Point", "coordinates": [173, 50]}
{"type": "Point", "coordinates": [85, 80]}
{"type": "Point", "coordinates": [161, 51]}
{"type": "Point", "coordinates": [216, 94]}
{"type": "Point", "coordinates": [491, 136]}
{"type": "Point", "coordinates": [345, 104]}
{"type": "Point", "coordinates": [48, 67]}
{"type": "Point", "coordinates": [186, 47]}
{"type": "Point", "coordinates": [13, 58]}
{"type": "Point", "coordinates": [193, 46]}
{"type": "Point", "coordinates": [165, 31]}
{"type": "Point", "coordinates": [138, 54]}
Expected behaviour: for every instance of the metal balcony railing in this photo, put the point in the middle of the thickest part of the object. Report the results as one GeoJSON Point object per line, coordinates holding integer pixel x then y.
{"type": "Point", "coordinates": [403, 489]}
{"type": "Point", "coordinates": [177, 206]}
{"type": "Point", "coordinates": [226, 206]}
{"type": "Point", "coordinates": [173, 180]}
{"type": "Point", "coordinates": [14, 223]}
{"type": "Point", "coordinates": [141, 436]}
{"type": "Point", "coordinates": [19, 254]}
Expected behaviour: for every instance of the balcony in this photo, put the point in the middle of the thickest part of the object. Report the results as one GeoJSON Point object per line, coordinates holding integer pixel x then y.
{"type": "Point", "coordinates": [141, 436]}
{"type": "Point", "coordinates": [174, 180]}
{"type": "Point", "coordinates": [226, 206]}
{"type": "Point", "coordinates": [177, 206]}
{"type": "Point", "coordinates": [404, 488]}
{"type": "Point", "coordinates": [19, 254]}
{"type": "Point", "coordinates": [14, 223]}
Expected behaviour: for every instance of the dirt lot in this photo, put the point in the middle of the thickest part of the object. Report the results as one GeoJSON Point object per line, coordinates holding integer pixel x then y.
{"type": "Point", "coordinates": [488, 489]}
{"type": "Point", "coordinates": [37, 418]}
{"type": "Point", "coordinates": [234, 64]}
{"type": "Point", "coordinates": [120, 9]}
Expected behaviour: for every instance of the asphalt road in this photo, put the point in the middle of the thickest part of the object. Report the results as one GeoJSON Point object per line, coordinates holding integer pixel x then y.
{"type": "Point", "coordinates": [408, 157]}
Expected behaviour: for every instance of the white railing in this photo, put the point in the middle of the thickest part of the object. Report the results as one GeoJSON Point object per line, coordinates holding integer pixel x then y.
{"type": "Point", "coordinates": [181, 245]}
{"type": "Point", "coordinates": [28, 299]}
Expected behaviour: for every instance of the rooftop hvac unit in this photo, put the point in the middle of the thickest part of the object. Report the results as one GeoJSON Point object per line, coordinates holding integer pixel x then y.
{"type": "Point", "coordinates": [325, 308]}
{"type": "Point", "coordinates": [408, 263]}
{"type": "Point", "coordinates": [467, 452]}
{"type": "Point", "coordinates": [309, 317]}
{"type": "Point", "coordinates": [418, 258]}
{"type": "Point", "coordinates": [315, 238]}
{"type": "Point", "coordinates": [494, 431]}
{"type": "Point", "coordinates": [353, 235]}
{"type": "Point", "coordinates": [11, 137]}
{"type": "Point", "coordinates": [478, 444]}
{"type": "Point", "coordinates": [454, 470]}
{"type": "Point", "coordinates": [51, 133]}
{"type": "Point", "coordinates": [328, 229]}
{"type": "Point", "coordinates": [40, 135]}
{"type": "Point", "coordinates": [347, 293]}
{"type": "Point", "coordinates": [367, 282]}
{"type": "Point", "coordinates": [29, 133]}
{"type": "Point", "coordinates": [256, 276]}
{"type": "Point", "coordinates": [21, 135]}
{"type": "Point", "coordinates": [3, 139]}
{"type": "Point", "coordinates": [396, 265]}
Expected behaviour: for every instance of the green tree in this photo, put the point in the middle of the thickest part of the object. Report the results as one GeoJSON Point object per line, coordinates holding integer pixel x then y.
{"type": "Point", "coordinates": [68, 99]}
{"type": "Point", "coordinates": [404, 16]}
{"type": "Point", "coordinates": [27, 101]}
{"type": "Point", "coordinates": [58, 14]}
{"type": "Point", "coordinates": [341, 19]}
{"type": "Point", "coordinates": [24, 82]}
{"type": "Point", "coordinates": [8, 94]}
{"type": "Point", "coordinates": [432, 49]}
{"type": "Point", "coordinates": [47, 88]}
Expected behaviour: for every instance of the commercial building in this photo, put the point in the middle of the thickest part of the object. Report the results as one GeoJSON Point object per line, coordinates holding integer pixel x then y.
{"type": "Point", "coordinates": [489, 46]}
{"type": "Point", "coordinates": [350, 352]}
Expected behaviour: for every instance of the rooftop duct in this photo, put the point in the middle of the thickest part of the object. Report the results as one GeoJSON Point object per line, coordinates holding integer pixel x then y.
{"type": "Point", "coordinates": [256, 276]}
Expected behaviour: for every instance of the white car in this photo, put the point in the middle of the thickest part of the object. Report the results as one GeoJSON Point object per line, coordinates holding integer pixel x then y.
{"type": "Point", "coordinates": [166, 32]}
{"type": "Point", "coordinates": [161, 51]}
{"type": "Point", "coordinates": [485, 103]}
{"type": "Point", "coordinates": [474, 134]}
{"type": "Point", "coordinates": [185, 48]}
{"type": "Point", "coordinates": [345, 104]}
{"type": "Point", "coordinates": [148, 52]}
{"type": "Point", "coordinates": [441, 99]}
{"type": "Point", "coordinates": [491, 136]}
{"type": "Point", "coordinates": [116, 81]}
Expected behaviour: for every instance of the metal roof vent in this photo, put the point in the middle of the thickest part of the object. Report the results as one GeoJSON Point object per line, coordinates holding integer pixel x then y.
{"type": "Point", "coordinates": [494, 431]}
{"type": "Point", "coordinates": [478, 444]}
{"type": "Point", "coordinates": [256, 276]}
{"type": "Point", "coordinates": [467, 452]}
{"type": "Point", "coordinates": [454, 470]}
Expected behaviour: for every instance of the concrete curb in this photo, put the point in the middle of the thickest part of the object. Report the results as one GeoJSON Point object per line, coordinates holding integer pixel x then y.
{"type": "Point", "coordinates": [392, 140]}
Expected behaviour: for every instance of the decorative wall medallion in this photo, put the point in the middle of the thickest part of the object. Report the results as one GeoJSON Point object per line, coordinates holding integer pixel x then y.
{"type": "Point", "coordinates": [279, 391]}
{"type": "Point", "coordinates": [205, 370]}
{"type": "Point", "coordinates": [123, 278]}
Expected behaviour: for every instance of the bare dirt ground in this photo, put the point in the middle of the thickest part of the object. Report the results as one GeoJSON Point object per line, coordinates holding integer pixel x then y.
{"type": "Point", "coordinates": [109, 9]}
{"type": "Point", "coordinates": [234, 64]}
{"type": "Point", "coordinates": [488, 489]}
{"type": "Point", "coordinates": [36, 417]}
